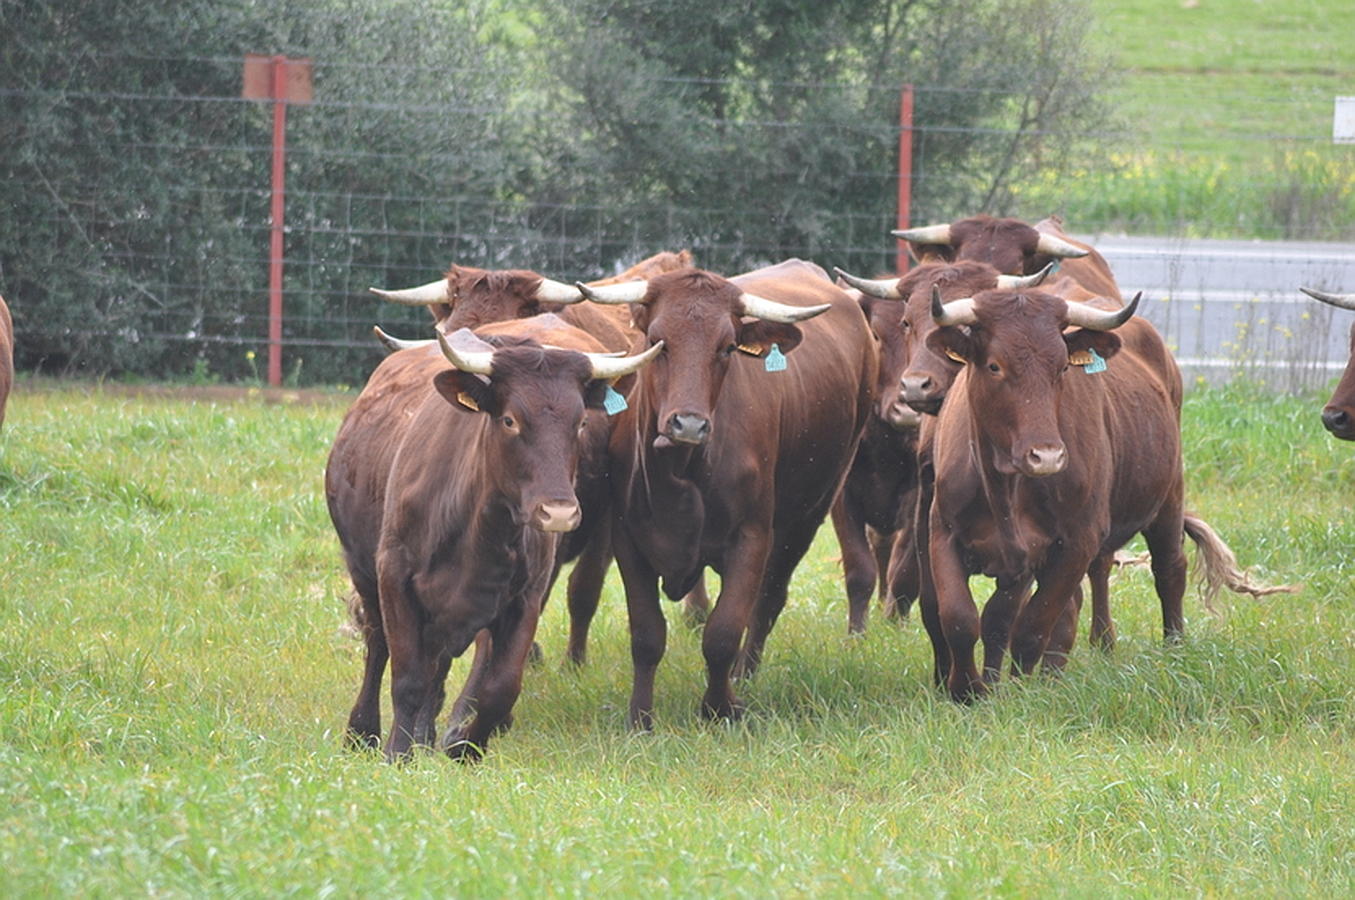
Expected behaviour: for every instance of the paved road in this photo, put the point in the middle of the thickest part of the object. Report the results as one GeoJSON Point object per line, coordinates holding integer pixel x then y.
{"type": "Point", "coordinates": [1227, 307]}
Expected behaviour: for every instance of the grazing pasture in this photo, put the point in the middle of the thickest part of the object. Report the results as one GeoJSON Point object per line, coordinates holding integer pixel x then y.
{"type": "Point", "coordinates": [174, 681]}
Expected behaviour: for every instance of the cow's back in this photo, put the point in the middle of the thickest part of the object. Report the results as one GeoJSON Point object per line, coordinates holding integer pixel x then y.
{"type": "Point", "coordinates": [366, 445]}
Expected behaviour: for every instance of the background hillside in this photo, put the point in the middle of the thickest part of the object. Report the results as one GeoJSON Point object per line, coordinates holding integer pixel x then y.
{"type": "Point", "coordinates": [1224, 112]}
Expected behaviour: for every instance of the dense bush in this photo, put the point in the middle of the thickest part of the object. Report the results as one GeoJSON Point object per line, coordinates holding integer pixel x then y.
{"type": "Point", "coordinates": [566, 137]}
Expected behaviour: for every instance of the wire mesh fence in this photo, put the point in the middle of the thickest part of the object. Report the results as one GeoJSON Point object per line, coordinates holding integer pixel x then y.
{"type": "Point", "coordinates": [382, 191]}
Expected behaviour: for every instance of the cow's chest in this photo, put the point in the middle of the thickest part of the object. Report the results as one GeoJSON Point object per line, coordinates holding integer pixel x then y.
{"type": "Point", "coordinates": [1005, 543]}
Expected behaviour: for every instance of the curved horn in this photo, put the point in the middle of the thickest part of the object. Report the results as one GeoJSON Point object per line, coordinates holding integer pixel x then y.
{"type": "Point", "coordinates": [608, 367]}
{"type": "Point", "coordinates": [477, 362]}
{"type": "Point", "coordinates": [927, 234]}
{"type": "Point", "coordinates": [1059, 247]}
{"type": "Point", "coordinates": [885, 288]}
{"type": "Point", "coordinates": [1018, 282]}
{"type": "Point", "coordinates": [1084, 316]}
{"type": "Point", "coordinates": [625, 292]}
{"type": "Point", "coordinates": [558, 292]}
{"type": "Point", "coordinates": [395, 343]}
{"type": "Point", "coordinates": [956, 312]}
{"type": "Point", "coordinates": [762, 308]}
{"type": "Point", "coordinates": [1344, 301]}
{"type": "Point", "coordinates": [424, 295]}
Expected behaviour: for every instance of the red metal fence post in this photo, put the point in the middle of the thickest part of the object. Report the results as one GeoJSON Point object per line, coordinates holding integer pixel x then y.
{"type": "Point", "coordinates": [279, 80]}
{"type": "Point", "coordinates": [905, 171]}
{"type": "Point", "coordinates": [279, 92]}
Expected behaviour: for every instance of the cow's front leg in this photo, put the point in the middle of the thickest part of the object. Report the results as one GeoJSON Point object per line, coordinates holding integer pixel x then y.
{"type": "Point", "coordinates": [648, 629]}
{"type": "Point", "coordinates": [957, 616]}
{"type": "Point", "coordinates": [740, 589]}
{"type": "Point", "coordinates": [1039, 619]}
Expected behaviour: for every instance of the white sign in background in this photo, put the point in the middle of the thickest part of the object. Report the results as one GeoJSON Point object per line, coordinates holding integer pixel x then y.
{"type": "Point", "coordinates": [1343, 121]}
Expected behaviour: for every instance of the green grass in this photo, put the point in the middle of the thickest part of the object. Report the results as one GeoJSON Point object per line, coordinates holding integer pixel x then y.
{"type": "Point", "coordinates": [1226, 110]}
{"type": "Point", "coordinates": [174, 681]}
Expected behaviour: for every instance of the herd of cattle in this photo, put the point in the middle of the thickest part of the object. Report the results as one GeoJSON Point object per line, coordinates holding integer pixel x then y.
{"type": "Point", "coordinates": [997, 410]}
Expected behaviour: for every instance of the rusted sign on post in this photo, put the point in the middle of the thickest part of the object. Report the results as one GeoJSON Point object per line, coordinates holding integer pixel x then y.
{"type": "Point", "coordinates": [282, 81]}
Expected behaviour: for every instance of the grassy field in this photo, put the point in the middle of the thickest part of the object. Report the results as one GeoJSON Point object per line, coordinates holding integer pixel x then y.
{"type": "Point", "coordinates": [1226, 110]}
{"type": "Point", "coordinates": [174, 680]}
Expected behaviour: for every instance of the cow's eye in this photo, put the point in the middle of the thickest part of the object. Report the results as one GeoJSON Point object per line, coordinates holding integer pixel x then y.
{"type": "Point", "coordinates": [510, 423]}
{"type": "Point", "coordinates": [994, 368]}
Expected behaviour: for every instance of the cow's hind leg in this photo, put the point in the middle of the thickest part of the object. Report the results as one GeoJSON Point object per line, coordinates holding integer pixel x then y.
{"type": "Point", "coordinates": [364, 721]}
{"type": "Point", "coordinates": [902, 575]}
{"type": "Point", "coordinates": [860, 569]}
{"type": "Point", "coordinates": [1102, 627]}
{"type": "Point", "coordinates": [1164, 538]}
{"type": "Point", "coordinates": [585, 589]}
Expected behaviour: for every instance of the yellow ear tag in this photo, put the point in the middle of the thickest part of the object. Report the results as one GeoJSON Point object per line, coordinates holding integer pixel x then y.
{"type": "Point", "coordinates": [751, 351]}
{"type": "Point", "coordinates": [957, 357]}
{"type": "Point", "coordinates": [467, 401]}
{"type": "Point", "coordinates": [1079, 358]}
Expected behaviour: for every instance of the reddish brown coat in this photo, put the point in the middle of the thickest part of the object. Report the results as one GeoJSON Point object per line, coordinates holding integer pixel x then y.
{"type": "Point", "coordinates": [769, 453]}
{"type": "Point", "coordinates": [1017, 405]}
{"type": "Point", "coordinates": [433, 503]}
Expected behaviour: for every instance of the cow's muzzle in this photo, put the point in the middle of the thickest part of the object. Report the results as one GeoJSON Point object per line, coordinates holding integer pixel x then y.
{"type": "Point", "coordinates": [1338, 422]}
{"type": "Point", "coordinates": [1038, 462]}
{"type": "Point", "coordinates": [685, 428]}
{"type": "Point", "coordinates": [557, 515]}
{"type": "Point", "coordinates": [922, 393]}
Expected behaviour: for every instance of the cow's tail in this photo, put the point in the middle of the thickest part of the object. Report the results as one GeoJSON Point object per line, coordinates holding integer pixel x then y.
{"type": "Point", "coordinates": [356, 626]}
{"type": "Point", "coordinates": [1218, 567]}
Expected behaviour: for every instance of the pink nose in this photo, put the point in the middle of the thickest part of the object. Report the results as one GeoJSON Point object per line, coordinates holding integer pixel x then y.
{"type": "Point", "coordinates": [1042, 461]}
{"type": "Point", "coordinates": [561, 515]}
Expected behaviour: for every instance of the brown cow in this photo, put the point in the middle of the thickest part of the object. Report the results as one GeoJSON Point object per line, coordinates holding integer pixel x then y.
{"type": "Point", "coordinates": [873, 510]}
{"type": "Point", "coordinates": [6, 357]}
{"type": "Point", "coordinates": [469, 298]}
{"type": "Point", "coordinates": [449, 488]}
{"type": "Point", "coordinates": [873, 516]}
{"type": "Point", "coordinates": [724, 461]}
{"type": "Point", "coordinates": [1022, 442]}
{"type": "Point", "coordinates": [1339, 414]}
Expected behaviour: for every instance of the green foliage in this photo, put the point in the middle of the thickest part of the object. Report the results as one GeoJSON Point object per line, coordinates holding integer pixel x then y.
{"type": "Point", "coordinates": [173, 683]}
{"type": "Point", "coordinates": [767, 131]}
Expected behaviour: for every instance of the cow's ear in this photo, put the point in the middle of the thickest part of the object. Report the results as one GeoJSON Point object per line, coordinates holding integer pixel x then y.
{"type": "Point", "coordinates": [953, 342]}
{"type": "Point", "coordinates": [927, 253]}
{"type": "Point", "coordinates": [464, 390]}
{"type": "Point", "coordinates": [756, 337]}
{"type": "Point", "coordinates": [1105, 343]}
{"type": "Point", "coordinates": [595, 394]}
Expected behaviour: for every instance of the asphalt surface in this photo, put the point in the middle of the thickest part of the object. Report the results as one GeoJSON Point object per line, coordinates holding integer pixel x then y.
{"type": "Point", "coordinates": [1234, 307]}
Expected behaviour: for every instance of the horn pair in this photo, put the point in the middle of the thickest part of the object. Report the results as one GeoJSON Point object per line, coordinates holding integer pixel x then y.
{"type": "Point", "coordinates": [940, 234]}
{"type": "Point", "coordinates": [749, 304]}
{"type": "Point", "coordinates": [471, 357]}
{"type": "Point", "coordinates": [888, 288]}
{"type": "Point", "coordinates": [961, 312]}
{"type": "Point", "coordinates": [439, 292]}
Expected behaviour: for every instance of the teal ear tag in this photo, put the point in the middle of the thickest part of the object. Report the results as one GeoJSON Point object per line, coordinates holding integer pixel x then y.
{"type": "Point", "coordinates": [612, 401]}
{"type": "Point", "coordinates": [1096, 365]}
{"type": "Point", "coordinates": [776, 360]}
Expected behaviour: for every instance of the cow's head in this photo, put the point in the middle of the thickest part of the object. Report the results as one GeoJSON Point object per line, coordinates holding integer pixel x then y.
{"type": "Point", "coordinates": [1008, 245]}
{"type": "Point", "coordinates": [468, 297]}
{"type": "Point", "coordinates": [533, 400]}
{"type": "Point", "coordinates": [926, 376]}
{"type": "Point", "coordinates": [1339, 414]}
{"type": "Point", "coordinates": [882, 311]}
{"type": "Point", "coordinates": [1018, 355]}
{"type": "Point", "coordinates": [703, 321]}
